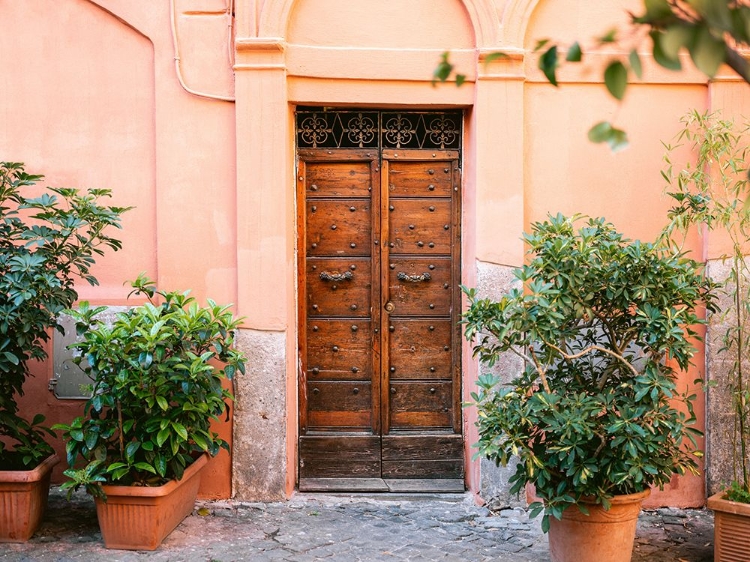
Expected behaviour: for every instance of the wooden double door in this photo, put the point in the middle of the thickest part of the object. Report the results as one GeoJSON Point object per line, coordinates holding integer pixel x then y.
{"type": "Point", "coordinates": [379, 267]}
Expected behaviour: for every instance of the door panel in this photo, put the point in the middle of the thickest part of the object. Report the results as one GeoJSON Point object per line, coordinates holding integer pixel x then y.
{"type": "Point", "coordinates": [420, 349]}
{"type": "Point", "coordinates": [419, 179]}
{"type": "Point", "coordinates": [339, 404]}
{"type": "Point", "coordinates": [420, 286]}
{"type": "Point", "coordinates": [339, 350]}
{"type": "Point", "coordinates": [338, 179]}
{"type": "Point", "coordinates": [420, 226]}
{"type": "Point", "coordinates": [340, 227]}
{"type": "Point", "coordinates": [340, 456]}
{"type": "Point", "coordinates": [415, 456]}
{"type": "Point", "coordinates": [421, 405]}
{"type": "Point", "coordinates": [379, 265]}
{"type": "Point", "coordinates": [339, 287]}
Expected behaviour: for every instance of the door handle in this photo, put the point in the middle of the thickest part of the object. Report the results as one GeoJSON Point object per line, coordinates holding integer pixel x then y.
{"type": "Point", "coordinates": [401, 276]}
{"type": "Point", "coordinates": [390, 307]}
{"type": "Point", "coordinates": [346, 276]}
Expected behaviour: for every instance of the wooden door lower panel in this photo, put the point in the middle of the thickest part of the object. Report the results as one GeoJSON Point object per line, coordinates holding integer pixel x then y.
{"type": "Point", "coordinates": [355, 457]}
{"type": "Point", "coordinates": [348, 456]}
{"type": "Point", "coordinates": [423, 456]}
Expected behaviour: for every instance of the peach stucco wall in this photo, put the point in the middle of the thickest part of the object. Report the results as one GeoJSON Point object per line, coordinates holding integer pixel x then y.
{"type": "Point", "coordinates": [90, 99]}
{"type": "Point", "coordinates": [97, 102]}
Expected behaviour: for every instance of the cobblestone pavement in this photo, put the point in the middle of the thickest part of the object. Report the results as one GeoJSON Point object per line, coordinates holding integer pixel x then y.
{"type": "Point", "coordinates": [350, 529]}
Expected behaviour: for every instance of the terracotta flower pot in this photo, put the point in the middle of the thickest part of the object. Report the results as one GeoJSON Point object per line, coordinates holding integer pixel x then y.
{"type": "Point", "coordinates": [731, 529]}
{"type": "Point", "coordinates": [23, 499]}
{"type": "Point", "coordinates": [140, 517]}
{"type": "Point", "coordinates": [601, 536]}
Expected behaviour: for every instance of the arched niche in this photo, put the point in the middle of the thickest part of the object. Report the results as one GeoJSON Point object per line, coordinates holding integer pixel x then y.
{"type": "Point", "coordinates": [276, 16]}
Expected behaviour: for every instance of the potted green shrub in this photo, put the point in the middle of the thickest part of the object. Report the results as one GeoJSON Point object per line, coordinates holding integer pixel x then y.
{"type": "Point", "coordinates": [712, 193]}
{"type": "Point", "coordinates": [48, 240]}
{"type": "Point", "coordinates": [595, 418]}
{"type": "Point", "coordinates": [157, 375]}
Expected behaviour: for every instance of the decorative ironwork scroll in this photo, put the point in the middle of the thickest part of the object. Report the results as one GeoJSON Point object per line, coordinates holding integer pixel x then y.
{"type": "Point", "coordinates": [325, 128]}
{"type": "Point", "coordinates": [403, 276]}
{"type": "Point", "coordinates": [327, 276]}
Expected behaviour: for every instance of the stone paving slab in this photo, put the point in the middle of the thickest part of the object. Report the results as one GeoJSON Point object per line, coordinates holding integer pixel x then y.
{"type": "Point", "coordinates": [392, 528]}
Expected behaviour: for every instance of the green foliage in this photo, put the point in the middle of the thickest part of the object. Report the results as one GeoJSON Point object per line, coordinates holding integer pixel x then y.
{"type": "Point", "coordinates": [736, 492]}
{"type": "Point", "coordinates": [712, 32]}
{"type": "Point", "coordinates": [157, 376]}
{"type": "Point", "coordinates": [605, 132]}
{"type": "Point", "coordinates": [616, 79]}
{"type": "Point", "coordinates": [712, 193]}
{"type": "Point", "coordinates": [602, 323]}
{"type": "Point", "coordinates": [47, 242]}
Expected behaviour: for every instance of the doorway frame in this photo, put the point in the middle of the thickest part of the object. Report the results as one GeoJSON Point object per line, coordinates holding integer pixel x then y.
{"type": "Point", "coordinates": [379, 168]}
{"type": "Point", "coordinates": [271, 80]}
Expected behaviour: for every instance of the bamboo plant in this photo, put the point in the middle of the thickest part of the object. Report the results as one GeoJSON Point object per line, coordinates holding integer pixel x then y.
{"type": "Point", "coordinates": [712, 194]}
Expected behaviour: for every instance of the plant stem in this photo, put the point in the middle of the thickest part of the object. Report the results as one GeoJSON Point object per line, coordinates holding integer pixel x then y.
{"type": "Point", "coordinates": [740, 378]}
{"type": "Point", "coordinates": [121, 432]}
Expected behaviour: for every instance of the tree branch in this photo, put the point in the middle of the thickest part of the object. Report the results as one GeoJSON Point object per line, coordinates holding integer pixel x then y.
{"type": "Point", "coordinates": [591, 348]}
{"type": "Point", "coordinates": [737, 62]}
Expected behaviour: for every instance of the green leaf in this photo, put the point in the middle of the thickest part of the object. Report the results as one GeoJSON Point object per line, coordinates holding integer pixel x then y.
{"type": "Point", "coordinates": [200, 441]}
{"type": "Point", "coordinates": [548, 64]}
{"type": "Point", "coordinates": [180, 430]}
{"type": "Point", "coordinates": [707, 52]}
{"type": "Point", "coordinates": [659, 56]}
{"type": "Point", "coordinates": [145, 359]}
{"type": "Point", "coordinates": [609, 37]}
{"type": "Point", "coordinates": [657, 9]}
{"type": "Point", "coordinates": [674, 38]}
{"type": "Point", "coordinates": [494, 56]}
{"type": "Point", "coordinates": [605, 132]}
{"type": "Point", "coordinates": [163, 404]}
{"type": "Point", "coordinates": [574, 53]}
{"type": "Point", "coordinates": [145, 467]}
{"type": "Point", "coordinates": [162, 436]}
{"type": "Point", "coordinates": [91, 438]}
{"type": "Point", "coordinates": [540, 44]}
{"type": "Point", "coordinates": [131, 449]}
{"type": "Point", "coordinates": [160, 463]}
{"type": "Point", "coordinates": [635, 64]}
{"type": "Point", "coordinates": [616, 79]}
{"type": "Point", "coordinates": [443, 70]}
{"type": "Point", "coordinates": [11, 357]}
{"type": "Point", "coordinates": [600, 132]}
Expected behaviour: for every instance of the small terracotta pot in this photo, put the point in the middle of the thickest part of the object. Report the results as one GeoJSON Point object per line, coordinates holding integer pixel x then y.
{"type": "Point", "coordinates": [140, 517]}
{"type": "Point", "coordinates": [731, 529]}
{"type": "Point", "coordinates": [601, 536]}
{"type": "Point", "coordinates": [23, 499]}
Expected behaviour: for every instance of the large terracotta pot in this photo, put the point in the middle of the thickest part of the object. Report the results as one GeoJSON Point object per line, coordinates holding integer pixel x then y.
{"type": "Point", "coordinates": [731, 529]}
{"type": "Point", "coordinates": [23, 499]}
{"type": "Point", "coordinates": [139, 517]}
{"type": "Point", "coordinates": [601, 536]}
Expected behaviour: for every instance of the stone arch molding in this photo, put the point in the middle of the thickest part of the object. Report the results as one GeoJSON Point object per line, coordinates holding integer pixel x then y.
{"type": "Point", "coordinates": [515, 22]}
{"type": "Point", "coordinates": [482, 13]}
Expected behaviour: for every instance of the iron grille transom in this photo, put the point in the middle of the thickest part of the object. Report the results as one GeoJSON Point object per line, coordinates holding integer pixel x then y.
{"type": "Point", "coordinates": [324, 128]}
